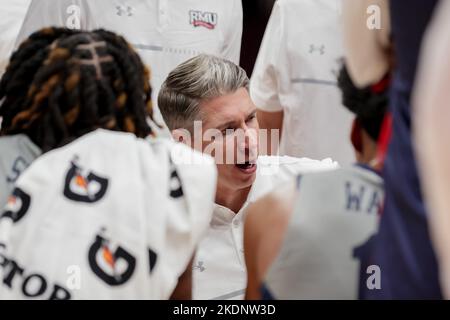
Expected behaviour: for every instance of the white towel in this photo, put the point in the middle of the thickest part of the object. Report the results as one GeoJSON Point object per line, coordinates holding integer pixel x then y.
{"type": "Point", "coordinates": [109, 216]}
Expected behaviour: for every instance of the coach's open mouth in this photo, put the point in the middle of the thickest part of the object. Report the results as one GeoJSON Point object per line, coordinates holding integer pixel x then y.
{"type": "Point", "coordinates": [247, 167]}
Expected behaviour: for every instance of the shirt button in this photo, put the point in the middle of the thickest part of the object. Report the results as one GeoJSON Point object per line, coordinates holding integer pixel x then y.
{"type": "Point", "coordinates": [236, 223]}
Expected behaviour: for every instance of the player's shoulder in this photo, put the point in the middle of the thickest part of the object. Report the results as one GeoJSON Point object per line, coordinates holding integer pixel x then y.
{"type": "Point", "coordinates": [294, 166]}
{"type": "Point", "coordinates": [229, 7]}
{"type": "Point", "coordinates": [309, 5]}
{"type": "Point", "coordinates": [20, 146]}
{"type": "Point", "coordinates": [14, 141]}
{"type": "Point", "coordinates": [273, 208]}
{"type": "Point", "coordinates": [330, 179]}
{"type": "Point", "coordinates": [306, 10]}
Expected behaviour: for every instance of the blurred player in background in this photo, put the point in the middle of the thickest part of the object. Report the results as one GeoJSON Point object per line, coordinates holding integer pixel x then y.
{"type": "Point", "coordinates": [403, 250]}
{"type": "Point", "coordinates": [311, 239]}
{"type": "Point", "coordinates": [294, 80]}
{"type": "Point", "coordinates": [431, 129]}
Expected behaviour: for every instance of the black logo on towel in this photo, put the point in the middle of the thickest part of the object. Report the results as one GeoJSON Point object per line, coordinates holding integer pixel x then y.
{"type": "Point", "coordinates": [176, 189]}
{"type": "Point", "coordinates": [88, 188]}
{"type": "Point", "coordinates": [113, 267]}
{"type": "Point", "coordinates": [17, 205]}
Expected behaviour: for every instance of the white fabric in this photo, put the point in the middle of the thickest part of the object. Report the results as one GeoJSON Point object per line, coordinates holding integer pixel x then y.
{"type": "Point", "coordinates": [163, 31]}
{"type": "Point", "coordinates": [16, 154]}
{"type": "Point", "coordinates": [431, 129]}
{"type": "Point", "coordinates": [327, 241]}
{"type": "Point", "coordinates": [60, 237]}
{"type": "Point", "coordinates": [12, 14]}
{"type": "Point", "coordinates": [219, 268]}
{"type": "Point", "coordinates": [296, 71]}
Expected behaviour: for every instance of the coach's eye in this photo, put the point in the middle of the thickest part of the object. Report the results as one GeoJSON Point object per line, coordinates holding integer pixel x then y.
{"type": "Point", "coordinates": [227, 131]}
{"type": "Point", "coordinates": [252, 117]}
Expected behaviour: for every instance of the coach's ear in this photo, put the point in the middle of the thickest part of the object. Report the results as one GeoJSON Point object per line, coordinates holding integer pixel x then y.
{"type": "Point", "coordinates": [182, 135]}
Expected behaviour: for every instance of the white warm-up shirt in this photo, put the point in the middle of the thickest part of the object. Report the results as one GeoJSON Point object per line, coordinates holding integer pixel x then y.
{"type": "Point", "coordinates": [431, 123]}
{"type": "Point", "coordinates": [164, 32]}
{"type": "Point", "coordinates": [109, 216]}
{"type": "Point", "coordinates": [12, 14]}
{"type": "Point", "coordinates": [219, 267]}
{"type": "Point", "coordinates": [296, 72]}
{"type": "Point", "coordinates": [17, 152]}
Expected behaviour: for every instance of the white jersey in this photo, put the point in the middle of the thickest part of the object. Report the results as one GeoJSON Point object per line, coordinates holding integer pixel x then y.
{"type": "Point", "coordinates": [326, 247]}
{"type": "Point", "coordinates": [164, 32]}
{"type": "Point", "coordinates": [219, 268]}
{"type": "Point", "coordinates": [12, 15]}
{"type": "Point", "coordinates": [296, 72]}
{"type": "Point", "coordinates": [109, 216]}
{"type": "Point", "coordinates": [16, 154]}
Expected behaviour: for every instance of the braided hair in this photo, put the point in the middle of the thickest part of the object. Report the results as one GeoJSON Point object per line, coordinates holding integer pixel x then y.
{"type": "Point", "coordinates": [61, 84]}
{"type": "Point", "coordinates": [368, 104]}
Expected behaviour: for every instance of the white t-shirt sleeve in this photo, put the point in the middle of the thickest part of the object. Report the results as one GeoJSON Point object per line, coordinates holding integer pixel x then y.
{"type": "Point", "coordinates": [233, 34]}
{"type": "Point", "coordinates": [270, 65]}
{"type": "Point", "coordinates": [12, 14]}
{"type": "Point", "coordinates": [295, 166]}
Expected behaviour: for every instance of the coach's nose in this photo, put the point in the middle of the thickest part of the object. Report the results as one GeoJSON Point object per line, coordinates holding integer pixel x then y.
{"type": "Point", "coordinates": [248, 144]}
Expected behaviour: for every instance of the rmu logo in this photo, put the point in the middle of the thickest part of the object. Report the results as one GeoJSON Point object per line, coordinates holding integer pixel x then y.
{"type": "Point", "coordinates": [203, 19]}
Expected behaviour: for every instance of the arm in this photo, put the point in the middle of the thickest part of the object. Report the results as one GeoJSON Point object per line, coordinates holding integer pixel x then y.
{"type": "Point", "coordinates": [367, 49]}
{"type": "Point", "coordinates": [431, 131]}
{"type": "Point", "coordinates": [265, 226]}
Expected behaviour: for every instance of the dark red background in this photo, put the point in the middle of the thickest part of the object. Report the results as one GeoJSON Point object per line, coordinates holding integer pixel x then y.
{"type": "Point", "coordinates": [256, 15]}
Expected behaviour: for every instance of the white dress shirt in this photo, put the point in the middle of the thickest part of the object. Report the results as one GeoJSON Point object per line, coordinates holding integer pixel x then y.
{"type": "Point", "coordinates": [296, 72]}
{"type": "Point", "coordinates": [219, 267]}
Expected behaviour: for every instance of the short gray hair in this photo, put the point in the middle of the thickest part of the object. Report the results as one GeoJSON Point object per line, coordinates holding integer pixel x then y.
{"type": "Point", "coordinates": [197, 79]}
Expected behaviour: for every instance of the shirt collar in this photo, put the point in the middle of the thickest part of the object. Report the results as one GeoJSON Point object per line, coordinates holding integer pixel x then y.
{"type": "Point", "coordinates": [222, 215]}
{"type": "Point", "coordinates": [225, 216]}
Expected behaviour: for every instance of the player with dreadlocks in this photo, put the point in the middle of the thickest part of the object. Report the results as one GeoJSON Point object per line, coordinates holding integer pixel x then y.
{"type": "Point", "coordinates": [58, 87]}
{"type": "Point", "coordinates": [101, 195]}
{"type": "Point", "coordinates": [17, 150]}
{"type": "Point", "coordinates": [61, 84]}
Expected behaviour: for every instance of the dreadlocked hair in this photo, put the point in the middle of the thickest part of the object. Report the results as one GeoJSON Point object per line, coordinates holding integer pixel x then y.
{"type": "Point", "coordinates": [61, 84]}
{"type": "Point", "coordinates": [369, 104]}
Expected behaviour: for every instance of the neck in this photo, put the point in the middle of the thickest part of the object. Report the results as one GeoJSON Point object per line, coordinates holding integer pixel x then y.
{"type": "Point", "coordinates": [232, 199]}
